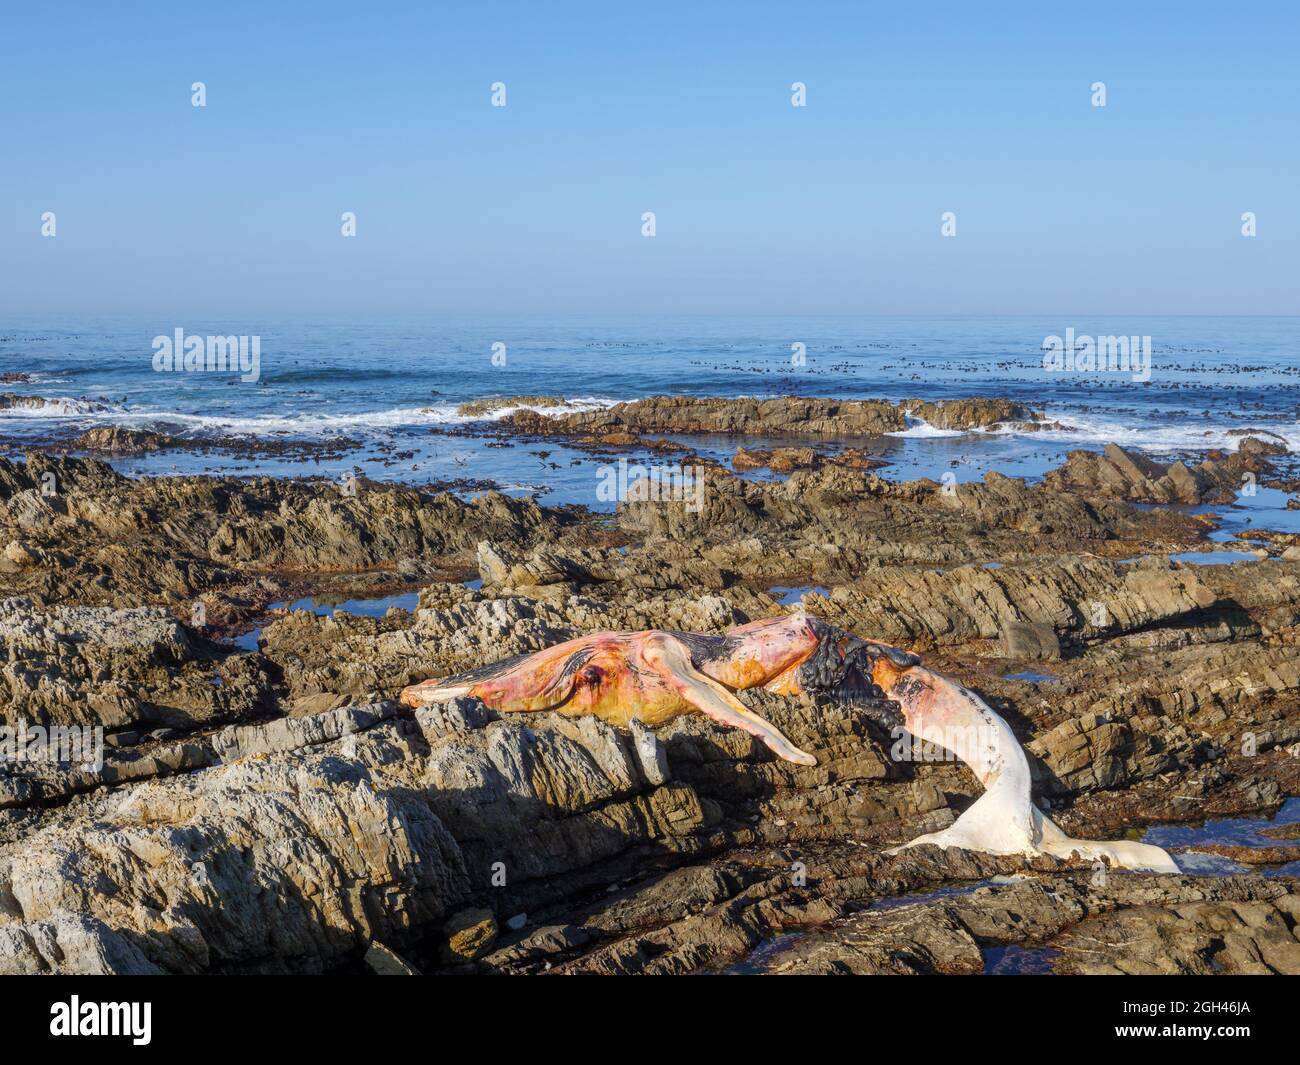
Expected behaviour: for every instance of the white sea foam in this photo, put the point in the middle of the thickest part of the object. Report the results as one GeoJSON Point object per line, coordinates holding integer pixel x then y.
{"type": "Point", "coordinates": [919, 429]}
{"type": "Point", "coordinates": [1188, 436]}
{"type": "Point", "coordinates": [58, 407]}
{"type": "Point", "coordinates": [312, 423]}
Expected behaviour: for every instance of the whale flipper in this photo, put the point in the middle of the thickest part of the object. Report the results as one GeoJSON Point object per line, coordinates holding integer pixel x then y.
{"type": "Point", "coordinates": [673, 660]}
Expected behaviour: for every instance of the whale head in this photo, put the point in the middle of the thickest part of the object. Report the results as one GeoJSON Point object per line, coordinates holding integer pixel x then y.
{"type": "Point", "coordinates": [843, 668]}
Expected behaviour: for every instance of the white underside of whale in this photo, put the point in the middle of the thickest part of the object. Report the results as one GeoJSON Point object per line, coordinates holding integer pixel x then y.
{"type": "Point", "coordinates": [1004, 819]}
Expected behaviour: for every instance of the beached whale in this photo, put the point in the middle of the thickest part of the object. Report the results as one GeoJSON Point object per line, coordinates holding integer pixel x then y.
{"type": "Point", "coordinates": [655, 676]}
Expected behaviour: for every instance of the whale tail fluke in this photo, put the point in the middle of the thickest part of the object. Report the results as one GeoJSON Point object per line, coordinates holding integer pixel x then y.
{"type": "Point", "coordinates": [1122, 853]}
{"type": "Point", "coordinates": [1000, 822]}
{"type": "Point", "coordinates": [1003, 820]}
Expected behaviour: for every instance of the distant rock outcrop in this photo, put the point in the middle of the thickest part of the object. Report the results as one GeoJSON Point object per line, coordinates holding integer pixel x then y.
{"type": "Point", "coordinates": [788, 415]}
{"type": "Point", "coordinates": [781, 416]}
{"type": "Point", "coordinates": [114, 440]}
{"type": "Point", "coordinates": [1121, 474]}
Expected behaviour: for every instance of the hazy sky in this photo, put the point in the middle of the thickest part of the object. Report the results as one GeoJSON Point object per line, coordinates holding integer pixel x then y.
{"type": "Point", "coordinates": [612, 110]}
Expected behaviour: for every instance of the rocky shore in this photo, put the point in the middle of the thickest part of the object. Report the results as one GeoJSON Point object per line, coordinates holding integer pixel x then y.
{"type": "Point", "coordinates": [784, 416]}
{"type": "Point", "coordinates": [276, 810]}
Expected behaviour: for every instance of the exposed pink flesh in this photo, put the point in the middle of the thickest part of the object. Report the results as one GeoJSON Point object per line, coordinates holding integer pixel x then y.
{"type": "Point", "coordinates": [637, 669]}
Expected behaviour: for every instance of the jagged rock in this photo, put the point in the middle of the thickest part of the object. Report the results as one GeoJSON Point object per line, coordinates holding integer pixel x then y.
{"type": "Point", "coordinates": [779, 460]}
{"type": "Point", "coordinates": [384, 962]}
{"type": "Point", "coordinates": [495, 403]}
{"type": "Point", "coordinates": [104, 539]}
{"type": "Point", "coordinates": [12, 401]}
{"type": "Point", "coordinates": [787, 415]}
{"type": "Point", "coordinates": [651, 755]}
{"type": "Point", "coordinates": [785, 459]}
{"type": "Point", "coordinates": [1254, 445]}
{"type": "Point", "coordinates": [290, 816]}
{"type": "Point", "coordinates": [70, 944]}
{"type": "Point", "coordinates": [863, 517]}
{"type": "Point", "coordinates": [1121, 474]}
{"type": "Point", "coordinates": [470, 934]}
{"type": "Point", "coordinates": [1076, 595]}
{"type": "Point", "coordinates": [976, 413]}
{"type": "Point", "coordinates": [1248, 855]}
{"type": "Point", "coordinates": [1086, 753]}
{"type": "Point", "coordinates": [113, 439]}
{"type": "Point", "coordinates": [1234, 937]}
{"type": "Point", "coordinates": [1077, 924]}
{"type": "Point", "coordinates": [285, 863]}
{"type": "Point", "coordinates": [1028, 639]}
{"type": "Point", "coordinates": [99, 666]}
{"type": "Point", "coordinates": [750, 459]}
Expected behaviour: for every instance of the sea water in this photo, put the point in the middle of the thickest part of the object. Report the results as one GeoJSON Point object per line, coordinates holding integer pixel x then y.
{"type": "Point", "coordinates": [394, 386]}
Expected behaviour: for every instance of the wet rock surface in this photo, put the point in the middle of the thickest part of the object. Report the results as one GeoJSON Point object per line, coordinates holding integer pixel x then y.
{"type": "Point", "coordinates": [1077, 922]}
{"type": "Point", "coordinates": [981, 413]}
{"type": "Point", "coordinates": [783, 416]}
{"type": "Point", "coordinates": [74, 531]}
{"type": "Point", "coordinates": [1121, 474]}
{"type": "Point", "coordinates": [492, 404]}
{"type": "Point", "coordinates": [690, 414]}
{"type": "Point", "coordinates": [277, 810]}
{"type": "Point", "coordinates": [114, 440]}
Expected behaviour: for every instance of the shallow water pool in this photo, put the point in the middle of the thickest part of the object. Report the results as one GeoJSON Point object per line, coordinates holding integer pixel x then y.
{"type": "Point", "coordinates": [1235, 831]}
{"type": "Point", "coordinates": [370, 608]}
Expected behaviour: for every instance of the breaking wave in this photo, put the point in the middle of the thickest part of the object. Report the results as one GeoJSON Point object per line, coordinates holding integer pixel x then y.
{"type": "Point", "coordinates": [1185, 436]}
{"type": "Point", "coordinates": [311, 423]}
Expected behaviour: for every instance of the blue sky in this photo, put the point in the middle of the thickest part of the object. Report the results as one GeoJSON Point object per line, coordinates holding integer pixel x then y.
{"type": "Point", "coordinates": [913, 109]}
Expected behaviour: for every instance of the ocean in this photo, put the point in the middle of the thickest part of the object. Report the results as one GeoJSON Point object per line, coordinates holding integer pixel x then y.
{"type": "Point", "coordinates": [389, 384]}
